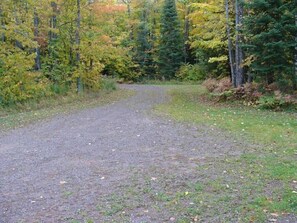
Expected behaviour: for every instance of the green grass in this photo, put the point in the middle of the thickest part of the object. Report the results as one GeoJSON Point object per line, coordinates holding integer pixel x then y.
{"type": "Point", "coordinates": [260, 181]}
{"type": "Point", "coordinates": [167, 82]}
{"type": "Point", "coordinates": [271, 128]}
{"type": "Point", "coordinates": [27, 113]}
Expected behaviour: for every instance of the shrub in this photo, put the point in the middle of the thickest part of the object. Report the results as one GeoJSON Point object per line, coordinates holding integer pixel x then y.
{"type": "Point", "coordinates": [210, 84]}
{"type": "Point", "coordinates": [223, 85]}
{"type": "Point", "coordinates": [189, 72]}
{"type": "Point", "coordinates": [108, 84]}
{"type": "Point", "coordinates": [277, 101]}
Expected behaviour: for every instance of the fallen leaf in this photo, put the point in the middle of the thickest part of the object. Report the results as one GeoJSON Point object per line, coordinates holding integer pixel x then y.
{"type": "Point", "coordinates": [195, 218]}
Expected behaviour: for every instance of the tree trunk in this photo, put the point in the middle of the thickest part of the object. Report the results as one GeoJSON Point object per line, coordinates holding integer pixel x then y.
{"type": "Point", "coordinates": [128, 3]}
{"type": "Point", "coordinates": [129, 9]}
{"type": "Point", "coordinates": [187, 33]}
{"type": "Point", "coordinates": [37, 49]}
{"type": "Point", "coordinates": [2, 25]}
{"type": "Point", "coordinates": [231, 63]}
{"type": "Point", "coordinates": [77, 41]}
{"type": "Point", "coordinates": [295, 77]}
{"type": "Point", "coordinates": [53, 21]}
{"type": "Point", "coordinates": [238, 40]}
{"type": "Point", "coordinates": [17, 23]}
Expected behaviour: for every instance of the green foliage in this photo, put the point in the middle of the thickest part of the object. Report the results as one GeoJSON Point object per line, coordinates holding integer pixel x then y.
{"type": "Point", "coordinates": [273, 102]}
{"type": "Point", "coordinates": [171, 42]}
{"type": "Point", "coordinates": [189, 72]}
{"type": "Point", "coordinates": [17, 81]}
{"type": "Point", "coordinates": [118, 63]}
{"type": "Point", "coordinates": [270, 30]}
{"type": "Point", "coordinates": [68, 53]}
{"type": "Point", "coordinates": [144, 45]}
{"type": "Point", "coordinates": [208, 36]}
{"type": "Point", "coordinates": [108, 84]}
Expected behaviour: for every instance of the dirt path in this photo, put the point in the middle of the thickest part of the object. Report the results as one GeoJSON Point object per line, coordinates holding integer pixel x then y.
{"type": "Point", "coordinates": [97, 163]}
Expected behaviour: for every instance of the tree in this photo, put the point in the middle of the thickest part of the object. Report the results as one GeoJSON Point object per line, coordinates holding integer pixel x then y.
{"type": "Point", "coordinates": [77, 42]}
{"type": "Point", "coordinates": [208, 36]}
{"type": "Point", "coordinates": [270, 31]}
{"type": "Point", "coordinates": [239, 79]}
{"type": "Point", "coordinates": [184, 9]}
{"type": "Point", "coordinates": [144, 45]}
{"type": "Point", "coordinates": [230, 51]}
{"type": "Point", "coordinates": [171, 41]}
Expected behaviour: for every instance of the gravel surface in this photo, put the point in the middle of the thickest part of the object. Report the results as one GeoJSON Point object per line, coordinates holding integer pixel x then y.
{"type": "Point", "coordinates": [67, 168]}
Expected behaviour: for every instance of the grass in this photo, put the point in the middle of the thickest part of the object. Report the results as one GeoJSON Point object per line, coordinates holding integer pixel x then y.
{"type": "Point", "coordinates": [167, 82]}
{"type": "Point", "coordinates": [30, 112]}
{"type": "Point", "coordinates": [256, 184]}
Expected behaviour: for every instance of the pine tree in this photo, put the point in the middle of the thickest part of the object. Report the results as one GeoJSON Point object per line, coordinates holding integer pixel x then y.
{"type": "Point", "coordinates": [270, 30]}
{"type": "Point", "coordinates": [171, 41]}
{"type": "Point", "coordinates": [144, 45]}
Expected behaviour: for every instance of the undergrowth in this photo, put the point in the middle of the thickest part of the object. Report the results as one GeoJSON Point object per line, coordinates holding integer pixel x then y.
{"type": "Point", "coordinates": [22, 114]}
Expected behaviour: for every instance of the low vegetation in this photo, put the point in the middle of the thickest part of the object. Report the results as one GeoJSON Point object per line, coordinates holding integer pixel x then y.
{"type": "Point", "coordinates": [251, 94]}
{"type": "Point", "coordinates": [24, 113]}
{"type": "Point", "coordinates": [258, 185]}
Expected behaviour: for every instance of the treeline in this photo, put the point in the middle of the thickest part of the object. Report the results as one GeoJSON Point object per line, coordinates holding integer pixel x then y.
{"type": "Point", "coordinates": [56, 46]}
{"type": "Point", "coordinates": [252, 40]}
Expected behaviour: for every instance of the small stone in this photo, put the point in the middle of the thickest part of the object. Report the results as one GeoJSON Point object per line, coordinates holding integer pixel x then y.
{"type": "Point", "coordinates": [172, 219]}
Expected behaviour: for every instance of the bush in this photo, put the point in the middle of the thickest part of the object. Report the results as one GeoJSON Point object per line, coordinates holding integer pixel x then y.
{"type": "Point", "coordinates": [223, 85]}
{"type": "Point", "coordinates": [189, 72]}
{"type": "Point", "coordinates": [277, 102]}
{"type": "Point", "coordinates": [210, 84]}
{"type": "Point", "coordinates": [217, 86]}
{"type": "Point", "coordinates": [108, 84]}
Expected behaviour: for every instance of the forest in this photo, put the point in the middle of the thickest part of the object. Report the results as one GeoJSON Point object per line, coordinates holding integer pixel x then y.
{"type": "Point", "coordinates": [149, 111]}
{"type": "Point", "coordinates": [54, 47]}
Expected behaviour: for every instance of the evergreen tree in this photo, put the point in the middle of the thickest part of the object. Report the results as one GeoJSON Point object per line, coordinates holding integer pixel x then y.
{"type": "Point", "coordinates": [144, 45]}
{"type": "Point", "coordinates": [270, 30]}
{"type": "Point", "coordinates": [171, 41]}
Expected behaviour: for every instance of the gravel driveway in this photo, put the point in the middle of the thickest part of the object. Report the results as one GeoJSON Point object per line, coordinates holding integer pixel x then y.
{"type": "Point", "coordinates": [86, 165]}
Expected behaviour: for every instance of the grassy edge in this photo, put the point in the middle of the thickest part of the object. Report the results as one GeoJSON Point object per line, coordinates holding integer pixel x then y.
{"type": "Point", "coordinates": [268, 175]}
{"type": "Point", "coordinates": [11, 118]}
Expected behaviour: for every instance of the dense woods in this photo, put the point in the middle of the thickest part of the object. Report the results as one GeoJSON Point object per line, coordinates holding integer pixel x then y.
{"type": "Point", "coordinates": [58, 46]}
